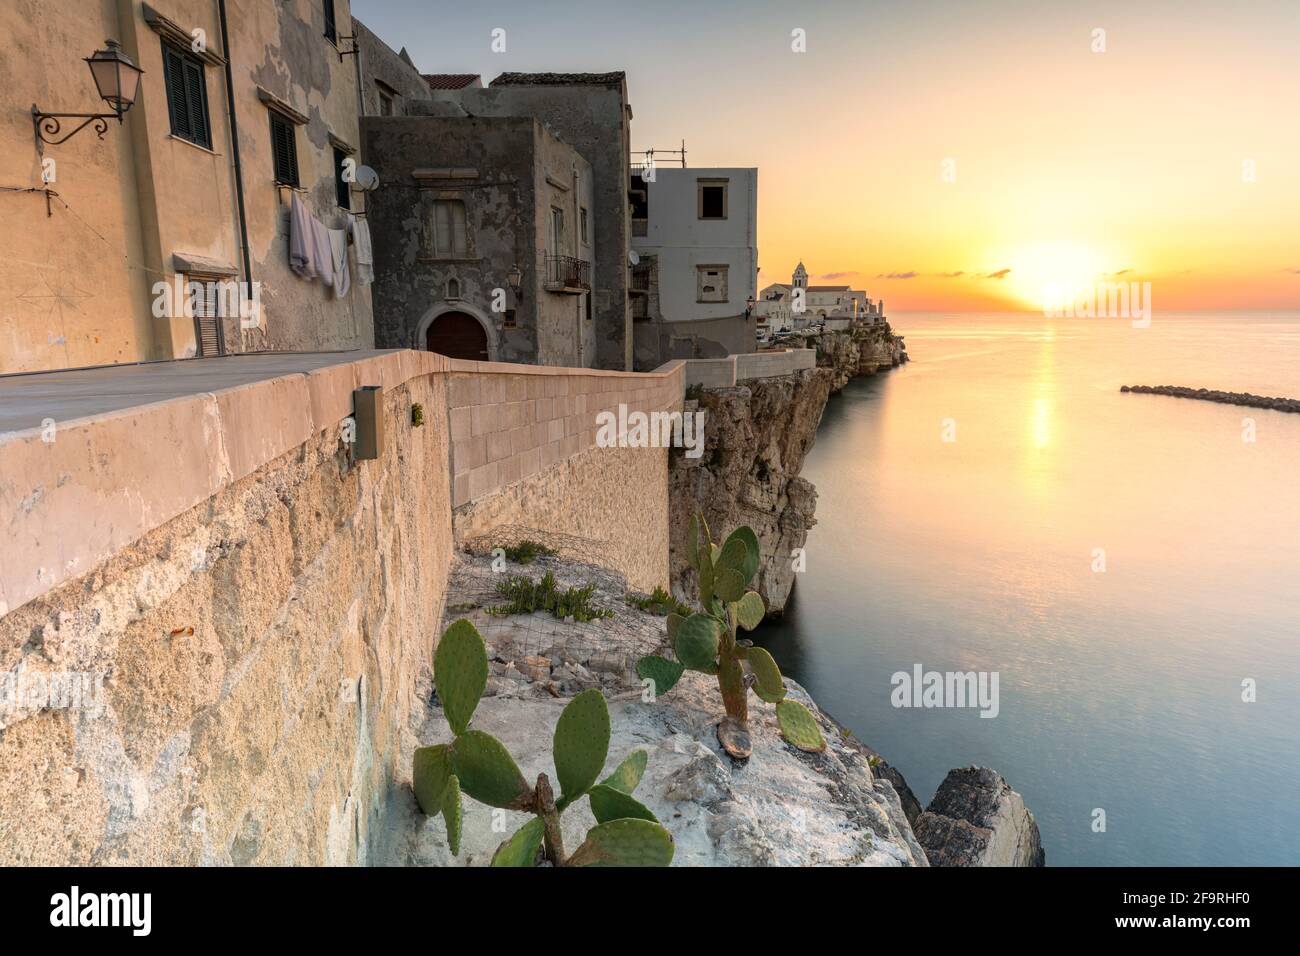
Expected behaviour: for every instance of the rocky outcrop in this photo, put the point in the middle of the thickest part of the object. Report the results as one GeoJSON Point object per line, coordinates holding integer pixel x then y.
{"type": "Point", "coordinates": [756, 437]}
{"type": "Point", "coordinates": [782, 807]}
{"type": "Point", "coordinates": [1214, 395]}
{"type": "Point", "coordinates": [854, 353]}
{"type": "Point", "coordinates": [976, 819]}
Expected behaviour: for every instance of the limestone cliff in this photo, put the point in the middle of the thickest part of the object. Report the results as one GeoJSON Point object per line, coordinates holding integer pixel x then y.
{"type": "Point", "coordinates": [756, 436]}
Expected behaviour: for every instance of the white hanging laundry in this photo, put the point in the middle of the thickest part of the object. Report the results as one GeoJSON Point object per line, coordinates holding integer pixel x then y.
{"type": "Point", "coordinates": [302, 239]}
{"type": "Point", "coordinates": [339, 261]}
{"type": "Point", "coordinates": [365, 254]}
{"type": "Point", "coordinates": [322, 256]}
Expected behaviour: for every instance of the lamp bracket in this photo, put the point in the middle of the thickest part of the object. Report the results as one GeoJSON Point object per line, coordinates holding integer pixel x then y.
{"type": "Point", "coordinates": [48, 125]}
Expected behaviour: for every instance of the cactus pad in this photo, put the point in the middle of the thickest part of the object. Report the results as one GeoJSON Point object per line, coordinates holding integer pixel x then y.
{"type": "Point", "coordinates": [628, 774]}
{"type": "Point", "coordinates": [769, 686]}
{"type": "Point", "coordinates": [451, 812]}
{"type": "Point", "coordinates": [728, 585]}
{"type": "Point", "coordinates": [625, 843]}
{"type": "Point", "coordinates": [734, 554]}
{"type": "Point", "coordinates": [581, 744]}
{"type": "Point", "coordinates": [488, 773]}
{"type": "Point", "coordinates": [610, 804]}
{"type": "Point", "coordinates": [799, 727]}
{"type": "Point", "coordinates": [663, 672]}
{"type": "Point", "coordinates": [460, 670]}
{"type": "Point", "coordinates": [521, 849]}
{"type": "Point", "coordinates": [429, 772]}
{"type": "Point", "coordinates": [749, 610]}
{"type": "Point", "coordinates": [745, 535]}
{"type": "Point", "coordinates": [696, 642]}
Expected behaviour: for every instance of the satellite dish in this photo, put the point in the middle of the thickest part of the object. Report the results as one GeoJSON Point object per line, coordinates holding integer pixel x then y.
{"type": "Point", "coordinates": [367, 180]}
{"type": "Point", "coordinates": [632, 257]}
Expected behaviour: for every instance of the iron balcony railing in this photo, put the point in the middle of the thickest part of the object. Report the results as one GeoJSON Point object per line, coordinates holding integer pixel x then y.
{"type": "Point", "coordinates": [567, 273]}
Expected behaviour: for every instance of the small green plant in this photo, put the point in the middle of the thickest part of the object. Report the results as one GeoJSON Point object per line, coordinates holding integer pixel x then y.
{"type": "Point", "coordinates": [528, 595]}
{"type": "Point", "coordinates": [661, 603]}
{"type": "Point", "coordinates": [477, 764]}
{"type": "Point", "coordinates": [693, 392]}
{"type": "Point", "coordinates": [525, 551]}
{"type": "Point", "coordinates": [706, 641]}
{"type": "Point", "coordinates": [417, 415]}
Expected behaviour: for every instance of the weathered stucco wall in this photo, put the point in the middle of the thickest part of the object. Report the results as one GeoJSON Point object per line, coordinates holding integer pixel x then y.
{"type": "Point", "coordinates": [142, 205]}
{"type": "Point", "coordinates": [589, 112]}
{"type": "Point", "coordinates": [223, 671]}
{"type": "Point", "coordinates": [508, 173]}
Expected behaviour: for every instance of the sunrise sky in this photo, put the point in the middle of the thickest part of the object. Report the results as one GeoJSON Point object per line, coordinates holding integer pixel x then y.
{"type": "Point", "coordinates": [1072, 167]}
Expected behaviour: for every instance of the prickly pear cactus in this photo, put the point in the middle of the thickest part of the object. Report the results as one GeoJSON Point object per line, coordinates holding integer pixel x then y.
{"type": "Point", "coordinates": [799, 727]}
{"type": "Point", "coordinates": [581, 744]}
{"type": "Point", "coordinates": [477, 764]}
{"type": "Point", "coordinates": [625, 843]}
{"type": "Point", "coordinates": [706, 641]}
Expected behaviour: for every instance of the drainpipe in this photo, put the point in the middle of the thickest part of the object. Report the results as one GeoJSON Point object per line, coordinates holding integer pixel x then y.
{"type": "Point", "coordinates": [234, 149]}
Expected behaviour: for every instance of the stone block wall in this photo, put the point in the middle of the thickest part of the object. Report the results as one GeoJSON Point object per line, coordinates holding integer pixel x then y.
{"type": "Point", "coordinates": [524, 453]}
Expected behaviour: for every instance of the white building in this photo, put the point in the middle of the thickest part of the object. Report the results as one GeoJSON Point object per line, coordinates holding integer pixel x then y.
{"type": "Point", "coordinates": [696, 232]}
{"type": "Point", "coordinates": [796, 304]}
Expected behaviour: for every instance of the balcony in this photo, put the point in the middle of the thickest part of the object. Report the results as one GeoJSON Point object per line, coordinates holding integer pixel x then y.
{"type": "Point", "coordinates": [567, 275]}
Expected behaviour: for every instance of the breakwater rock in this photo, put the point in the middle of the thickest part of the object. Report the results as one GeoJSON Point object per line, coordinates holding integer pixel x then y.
{"type": "Point", "coordinates": [1214, 395]}
{"type": "Point", "coordinates": [976, 819]}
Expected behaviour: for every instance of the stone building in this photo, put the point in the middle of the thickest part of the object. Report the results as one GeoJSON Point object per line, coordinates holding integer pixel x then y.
{"type": "Point", "coordinates": [389, 79]}
{"type": "Point", "coordinates": [696, 231]}
{"type": "Point", "coordinates": [241, 104]}
{"type": "Point", "coordinates": [796, 304]}
{"type": "Point", "coordinates": [590, 113]}
{"type": "Point", "coordinates": [484, 231]}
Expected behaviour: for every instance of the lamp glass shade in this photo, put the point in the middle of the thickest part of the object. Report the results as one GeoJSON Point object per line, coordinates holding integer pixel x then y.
{"type": "Point", "coordinates": [516, 277]}
{"type": "Point", "coordinates": [116, 77]}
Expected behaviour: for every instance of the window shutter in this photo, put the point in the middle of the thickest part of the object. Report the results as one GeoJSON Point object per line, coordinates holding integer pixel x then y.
{"type": "Point", "coordinates": [460, 246]}
{"type": "Point", "coordinates": [194, 99]}
{"type": "Point", "coordinates": [284, 150]}
{"type": "Point", "coordinates": [331, 30]}
{"type": "Point", "coordinates": [174, 68]}
{"type": "Point", "coordinates": [207, 331]}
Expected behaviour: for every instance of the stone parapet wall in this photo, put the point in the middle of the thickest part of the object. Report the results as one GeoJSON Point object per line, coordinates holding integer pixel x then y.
{"type": "Point", "coordinates": [733, 369]}
{"type": "Point", "coordinates": [250, 665]}
{"type": "Point", "coordinates": [247, 613]}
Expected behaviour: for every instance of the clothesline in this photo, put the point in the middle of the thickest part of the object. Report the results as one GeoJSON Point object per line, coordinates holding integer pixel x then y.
{"type": "Point", "coordinates": [319, 252]}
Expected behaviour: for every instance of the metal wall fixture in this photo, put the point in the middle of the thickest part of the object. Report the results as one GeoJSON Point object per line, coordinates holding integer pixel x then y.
{"type": "Point", "coordinates": [368, 413]}
{"type": "Point", "coordinates": [117, 79]}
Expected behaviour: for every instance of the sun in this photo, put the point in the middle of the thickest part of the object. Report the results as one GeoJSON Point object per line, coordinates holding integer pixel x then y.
{"type": "Point", "coordinates": [1048, 271]}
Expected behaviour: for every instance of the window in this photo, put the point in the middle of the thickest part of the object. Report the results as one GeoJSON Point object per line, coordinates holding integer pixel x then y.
{"type": "Point", "coordinates": [331, 31]}
{"type": "Point", "coordinates": [342, 188]}
{"type": "Point", "coordinates": [284, 150]}
{"type": "Point", "coordinates": [557, 231]}
{"type": "Point", "coordinates": [187, 96]}
{"type": "Point", "coordinates": [582, 220]}
{"type": "Point", "coordinates": [385, 104]}
{"type": "Point", "coordinates": [202, 292]}
{"type": "Point", "coordinates": [447, 225]}
{"type": "Point", "coordinates": [712, 198]}
{"type": "Point", "coordinates": [710, 283]}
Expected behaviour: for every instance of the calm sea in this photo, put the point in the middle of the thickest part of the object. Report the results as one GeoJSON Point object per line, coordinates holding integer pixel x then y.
{"type": "Point", "coordinates": [1120, 690]}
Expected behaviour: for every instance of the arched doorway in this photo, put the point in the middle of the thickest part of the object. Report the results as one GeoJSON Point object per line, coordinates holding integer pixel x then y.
{"type": "Point", "coordinates": [457, 335]}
